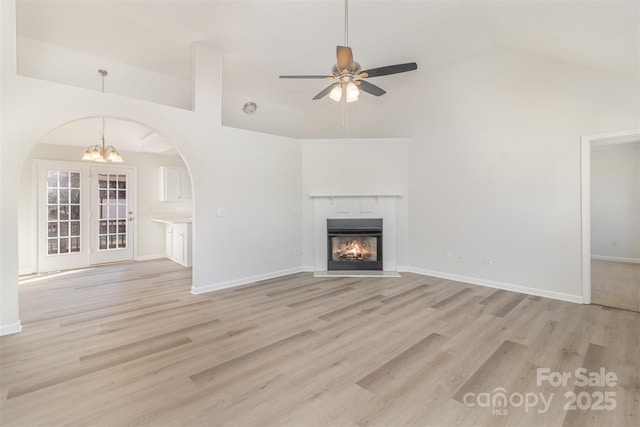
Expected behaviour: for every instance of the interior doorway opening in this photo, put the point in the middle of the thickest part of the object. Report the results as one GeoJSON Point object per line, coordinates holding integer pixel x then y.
{"type": "Point", "coordinates": [611, 219]}
{"type": "Point", "coordinates": [120, 227]}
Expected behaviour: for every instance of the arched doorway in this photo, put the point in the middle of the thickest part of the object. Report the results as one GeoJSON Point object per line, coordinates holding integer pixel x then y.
{"type": "Point", "coordinates": [124, 218]}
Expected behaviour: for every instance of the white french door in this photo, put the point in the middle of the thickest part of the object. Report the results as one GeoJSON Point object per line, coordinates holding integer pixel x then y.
{"type": "Point", "coordinates": [85, 214]}
{"type": "Point", "coordinates": [112, 192]}
{"type": "Point", "coordinates": [62, 216]}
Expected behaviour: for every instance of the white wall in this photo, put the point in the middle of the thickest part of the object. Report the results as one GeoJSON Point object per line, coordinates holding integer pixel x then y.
{"type": "Point", "coordinates": [362, 166]}
{"type": "Point", "coordinates": [495, 168]}
{"type": "Point", "coordinates": [615, 201]}
{"type": "Point", "coordinates": [256, 179]}
{"type": "Point", "coordinates": [151, 235]}
{"type": "Point", "coordinates": [58, 64]}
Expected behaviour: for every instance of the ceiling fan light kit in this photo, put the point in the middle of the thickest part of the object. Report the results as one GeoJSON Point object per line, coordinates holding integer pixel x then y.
{"type": "Point", "coordinates": [349, 75]}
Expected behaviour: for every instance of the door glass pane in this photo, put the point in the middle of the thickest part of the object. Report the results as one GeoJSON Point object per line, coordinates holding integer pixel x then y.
{"type": "Point", "coordinates": [75, 211]}
{"type": "Point", "coordinates": [53, 229]}
{"type": "Point", "coordinates": [64, 245]}
{"type": "Point", "coordinates": [75, 244]}
{"type": "Point", "coordinates": [53, 213]}
{"type": "Point", "coordinates": [75, 196]}
{"type": "Point", "coordinates": [63, 179]}
{"type": "Point", "coordinates": [74, 180]}
{"type": "Point", "coordinates": [75, 228]}
{"type": "Point", "coordinates": [52, 196]}
{"type": "Point", "coordinates": [52, 246]}
{"type": "Point", "coordinates": [63, 203]}
{"type": "Point", "coordinates": [52, 179]}
{"type": "Point", "coordinates": [112, 226]}
{"type": "Point", "coordinates": [113, 241]}
{"type": "Point", "coordinates": [63, 210]}
{"type": "Point", "coordinates": [64, 196]}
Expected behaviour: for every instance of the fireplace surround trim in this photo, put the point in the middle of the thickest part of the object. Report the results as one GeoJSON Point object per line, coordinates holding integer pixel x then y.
{"type": "Point", "coordinates": [356, 205]}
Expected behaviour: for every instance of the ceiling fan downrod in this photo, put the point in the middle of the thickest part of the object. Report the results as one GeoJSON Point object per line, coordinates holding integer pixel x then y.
{"type": "Point", "coordinates": [346, 22]}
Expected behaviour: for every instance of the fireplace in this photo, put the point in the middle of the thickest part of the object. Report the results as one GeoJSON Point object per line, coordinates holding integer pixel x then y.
{"type": "Point", "coordinates": [354, 244]}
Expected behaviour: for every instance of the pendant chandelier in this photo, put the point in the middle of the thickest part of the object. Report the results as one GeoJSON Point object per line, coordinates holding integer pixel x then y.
{"type": "Point", "coordinates": [102, 152]}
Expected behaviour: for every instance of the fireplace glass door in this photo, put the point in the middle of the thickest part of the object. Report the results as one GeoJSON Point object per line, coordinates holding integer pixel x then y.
{"type": "Point", "coordinates": [354, 248]}
{"type": "Point", "coordinates": [354, 244]}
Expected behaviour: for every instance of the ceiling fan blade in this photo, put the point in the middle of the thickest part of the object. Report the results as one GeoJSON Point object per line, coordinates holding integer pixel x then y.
{"type": "Point", "coordinates": [308, 77]}
{"type": "Point", "coordinates": [390, 69]}
{"type": "Point", "coordinates": [345, 57]}
{"type": "Point", "coordinates": [365, 86]}
{"type": "Point", "coordinates": [325, 91]}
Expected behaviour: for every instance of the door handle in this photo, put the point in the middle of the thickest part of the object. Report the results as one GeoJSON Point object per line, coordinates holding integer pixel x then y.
{"type": "Point", "coordinates": [130, 218]}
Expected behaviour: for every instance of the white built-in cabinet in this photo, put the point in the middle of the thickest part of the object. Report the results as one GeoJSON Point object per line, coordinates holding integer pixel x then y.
{"type": "Point", "coordinates": [175, 185]}
{"type": "Point", "coordinates": [178, 243]}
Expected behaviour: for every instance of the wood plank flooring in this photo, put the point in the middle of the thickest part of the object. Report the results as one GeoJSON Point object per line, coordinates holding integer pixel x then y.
{"type": "Point", "coordinates": [129, 345]}
{"type": "Point", "coordinates": [615, 284]}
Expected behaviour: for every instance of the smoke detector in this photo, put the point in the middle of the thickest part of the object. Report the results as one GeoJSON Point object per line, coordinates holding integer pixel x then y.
{"type": "Point", "coordinates": [249, 107]}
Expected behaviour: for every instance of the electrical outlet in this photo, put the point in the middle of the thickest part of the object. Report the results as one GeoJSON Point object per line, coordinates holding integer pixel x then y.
{"type": "Point", "coordinates": [447, 256]}
{"type": "Point", "coordinates": [488, 261]}
{"type": "Point", "coordinates": [265, 257]}
{"type": "Point", "coordinates": [279, 254]}
{"type": "Point", "coordinates": [222, 212]}
{"type": "Point", "coordinates": [460, 258]}
{"type": "Point", "coordinates": [614, 244]}
{"type": "Point", "coordinates": [296, 251]}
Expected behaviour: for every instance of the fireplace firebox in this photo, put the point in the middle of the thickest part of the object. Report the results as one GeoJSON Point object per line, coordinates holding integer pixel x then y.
{"type": "Point", "coordinates": [354, 244]}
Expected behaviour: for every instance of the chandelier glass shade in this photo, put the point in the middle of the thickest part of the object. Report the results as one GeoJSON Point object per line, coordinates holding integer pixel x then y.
{"type": "Point", "coordinates": [102, 152]}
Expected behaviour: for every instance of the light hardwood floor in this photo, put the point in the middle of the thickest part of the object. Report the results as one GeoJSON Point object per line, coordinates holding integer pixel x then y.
{"type": "Point", "coordinates": [129, 345]}
{"type": "Point", "coordinates": [615, 284]}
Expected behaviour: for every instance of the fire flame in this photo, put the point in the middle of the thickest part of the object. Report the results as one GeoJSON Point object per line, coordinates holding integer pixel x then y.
{"type": "Point", "coordinates": [355, 250]}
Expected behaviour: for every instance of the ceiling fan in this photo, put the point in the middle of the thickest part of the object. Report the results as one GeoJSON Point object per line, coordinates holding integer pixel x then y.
{"type": "Point", "coordinates": [349, 73]}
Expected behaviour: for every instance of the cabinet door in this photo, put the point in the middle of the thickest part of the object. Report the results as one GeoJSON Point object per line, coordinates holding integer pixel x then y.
{"type": "Point", "coordinates": [170, 182]}
{"type": "Point", "coordinates": [179, 231]}
{"type": "Point", "coordinates": [169, 241]}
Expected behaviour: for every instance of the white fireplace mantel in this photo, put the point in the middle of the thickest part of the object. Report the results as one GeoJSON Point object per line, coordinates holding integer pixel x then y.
{"type": "Point", "coordinates": [332, 195]}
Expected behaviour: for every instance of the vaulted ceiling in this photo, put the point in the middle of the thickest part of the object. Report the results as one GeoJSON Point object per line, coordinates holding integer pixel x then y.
{"type": "Point", "coordinates": [263, 39]}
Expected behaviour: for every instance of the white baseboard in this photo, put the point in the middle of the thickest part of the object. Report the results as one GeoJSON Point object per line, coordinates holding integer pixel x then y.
{"type": "Point", "coordinates": [499, 285]}
{"type": "Point", "coordinates": [466, 279]}
{"type": "Point", "coordinates": [26, 271]}
{"type": "Point", "coordinates": [150, 257]}
{"type": "Point", "coordinates": [308, 269]}
{"type": "Point", "coordinates": [245, 280]}
{"type": "Point", "coordinates": [12, 328]}
{"type": "Point", "coordinates": [616, 259]}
